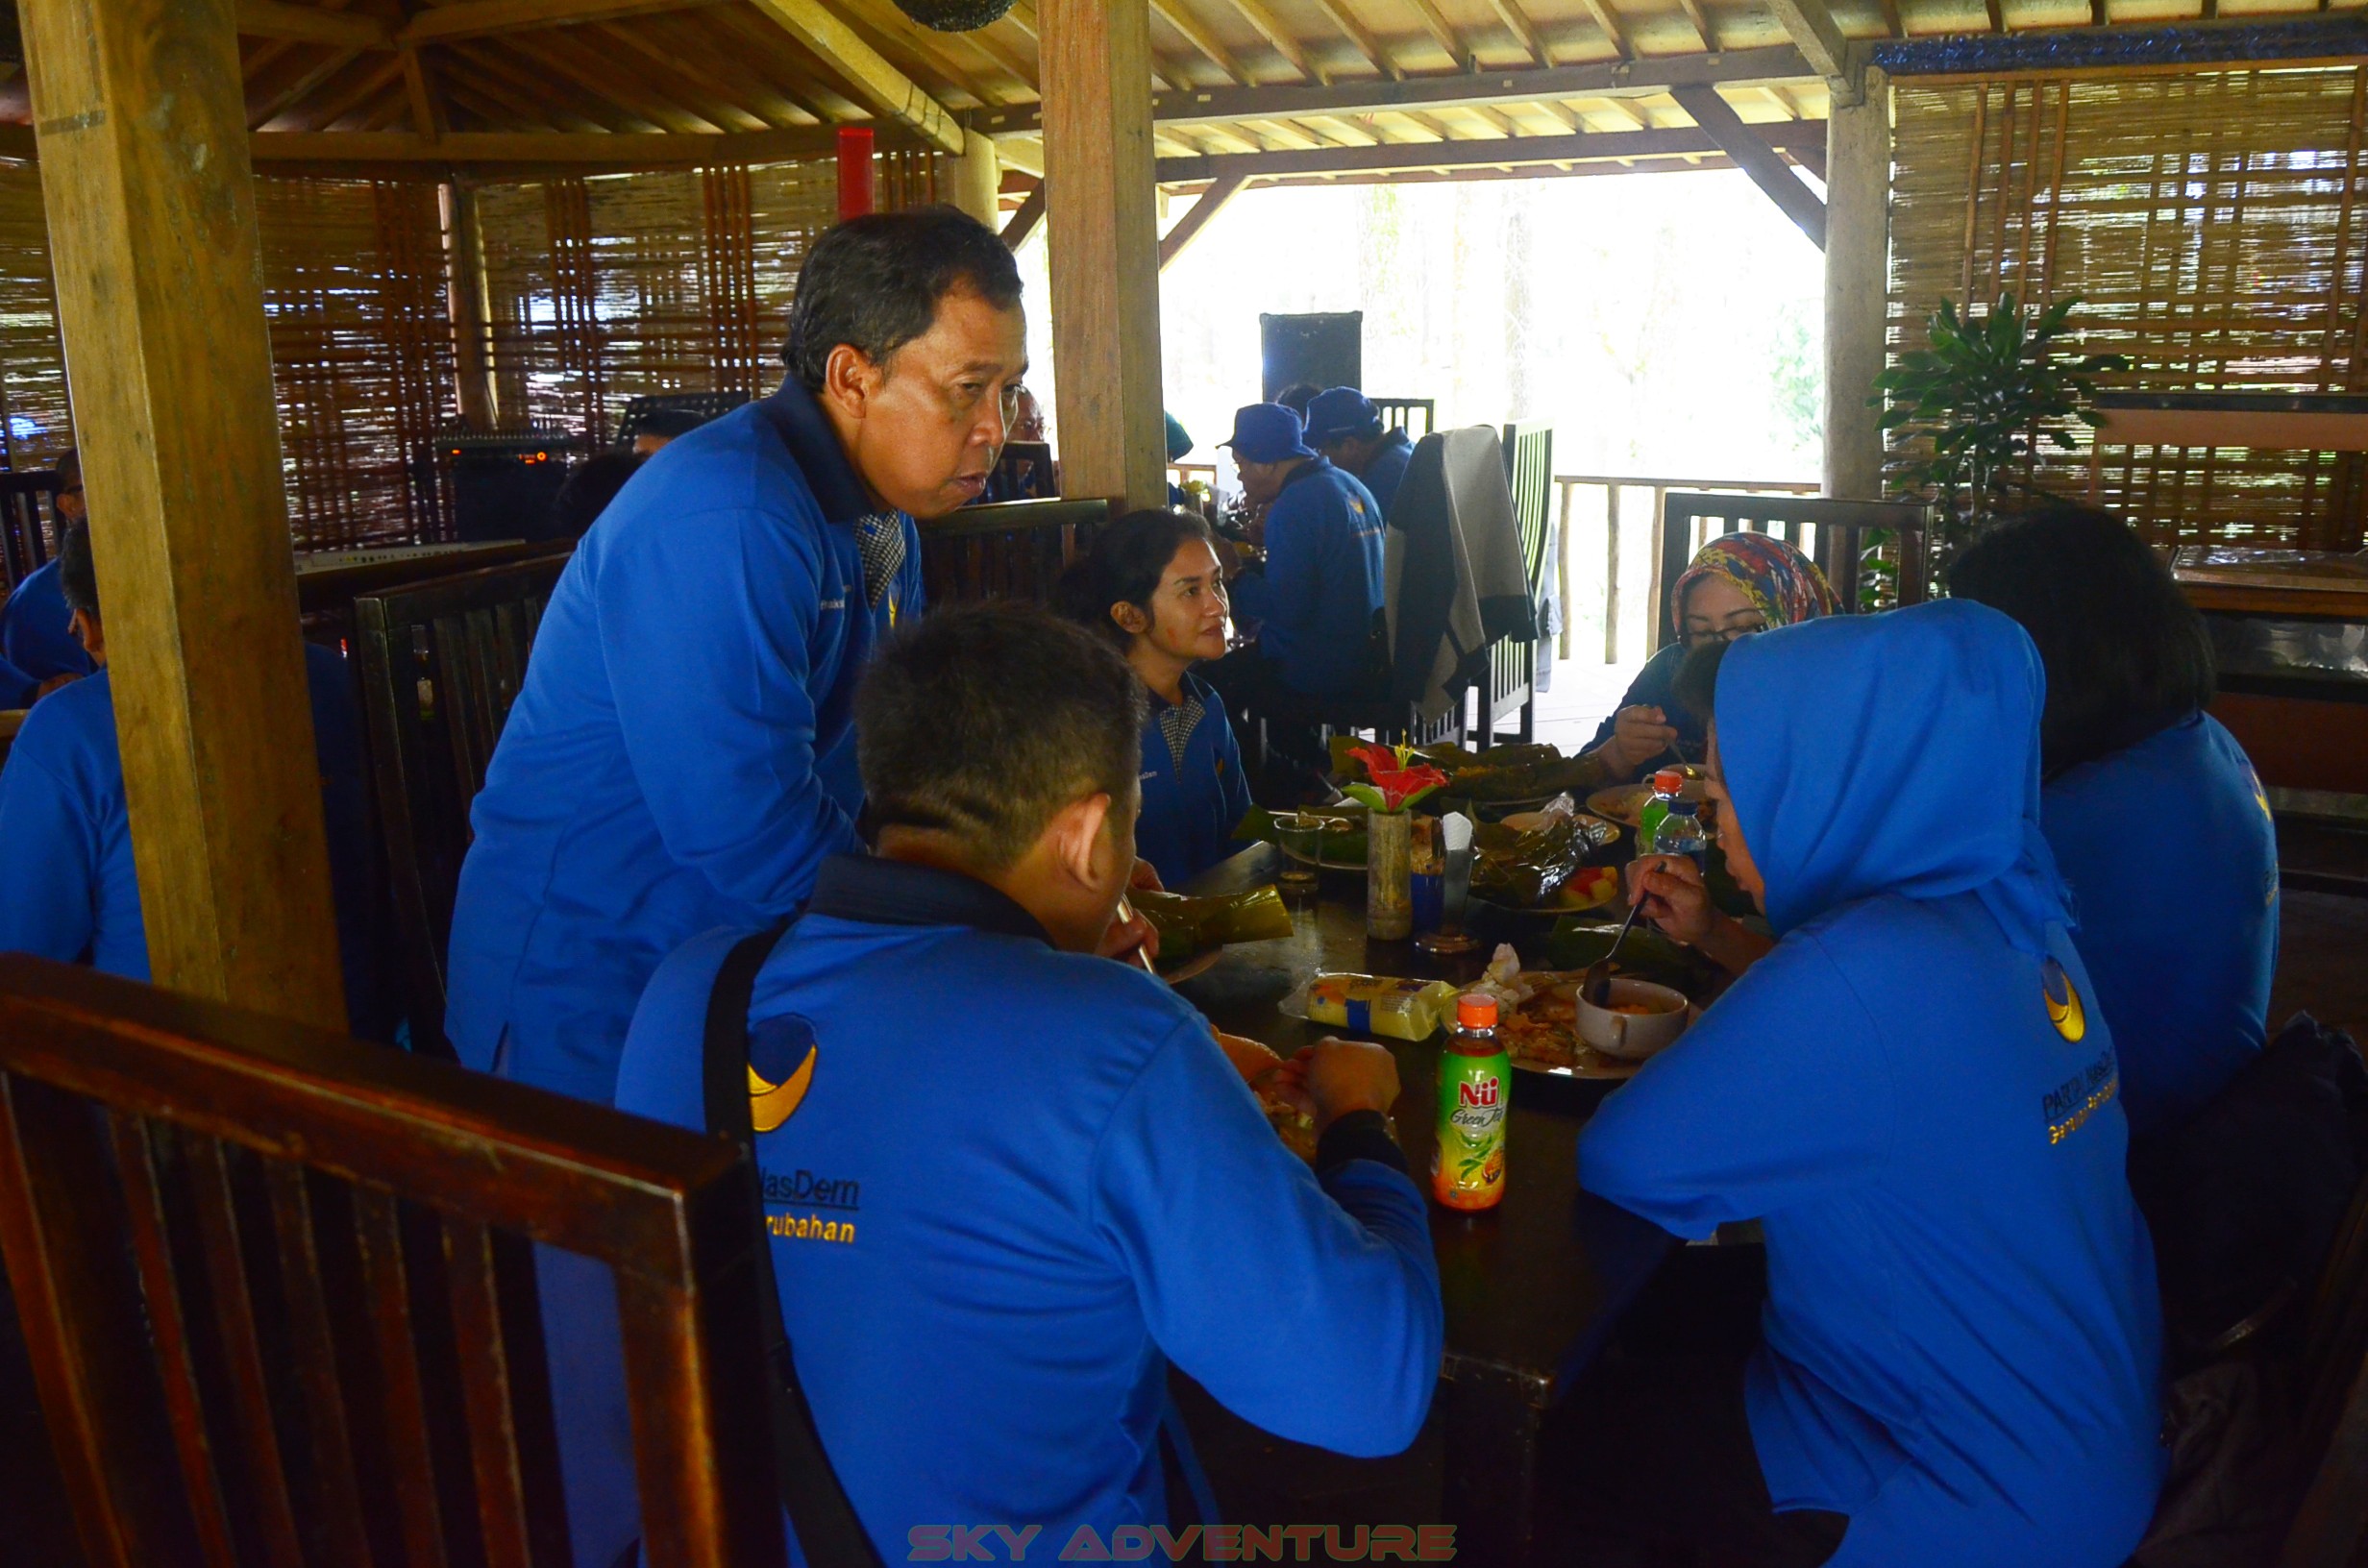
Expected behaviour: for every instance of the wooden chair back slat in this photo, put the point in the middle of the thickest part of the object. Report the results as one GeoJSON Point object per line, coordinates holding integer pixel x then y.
{"type": "Point", "coordinates": [441, 662]}
{"type": "Point", "coordinates": [27, 540]}
{"type": "Point", "coordinates": [1512, 665]}
{"type": "Point", "coordinates": [160, 1290]}
{"type": "Point", "coordinates": [212, 1225]}
{"type": "Point", "coordinates": [1013, 549]}
{"type": "Point", "coordinates": [1843, 538]}
{"type": "Point", "coordinates": [1417, 417]}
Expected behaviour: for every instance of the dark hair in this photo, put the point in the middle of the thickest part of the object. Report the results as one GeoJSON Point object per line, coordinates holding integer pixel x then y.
{"type": "Point", "coordinates": [588, 491]}
{"type": "Point", "coordinates": [1129, 558]}
{"type": "Point", "coordinates": [77, 578]}
{"type": "Point", "coordinates": [1697, 686]}
{"type": "Point", "coordinates": [1297, 396]}
{"type": "Point", "coordinates": [874, 282]}
{"type": "Point", "coordinates": [983, 720]}
{"type": "Point", "coordinates": [69, 466]}
{"type": "Point", "coordinates": [2126, 654]}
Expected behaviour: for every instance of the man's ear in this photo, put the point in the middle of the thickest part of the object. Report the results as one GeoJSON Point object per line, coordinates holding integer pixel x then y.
{"type": "Point", "coordinates": [850, 380]}
{"type": "Point", "coordinates": [88, 630]}
{"type": "Point", "coordinates": [1079, 841]}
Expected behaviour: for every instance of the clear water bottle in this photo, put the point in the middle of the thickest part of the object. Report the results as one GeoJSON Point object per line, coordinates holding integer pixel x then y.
{"type": "Point", "coordinates": [1680, 832]}
{"type": "Point", "coordinates": [1668, 785]}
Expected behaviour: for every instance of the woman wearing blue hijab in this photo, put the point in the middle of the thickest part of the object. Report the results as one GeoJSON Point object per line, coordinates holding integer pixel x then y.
{"type": "Point", "coordinates": [1960, 1345]}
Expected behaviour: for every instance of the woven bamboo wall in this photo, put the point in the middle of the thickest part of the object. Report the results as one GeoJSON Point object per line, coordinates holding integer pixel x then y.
{"type": "Point", "coordinates": [35, 425]}
{"type": "Point", "coordinates": [607, 288]}
{"type": "Point", "coordinates": [2212, 223]}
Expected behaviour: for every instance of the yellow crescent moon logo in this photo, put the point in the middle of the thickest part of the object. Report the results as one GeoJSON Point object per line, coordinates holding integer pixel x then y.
{"type": "Point", "coordinates": [2063, 1001]}
{"type": "Point", "coordinates": [772, 1104]}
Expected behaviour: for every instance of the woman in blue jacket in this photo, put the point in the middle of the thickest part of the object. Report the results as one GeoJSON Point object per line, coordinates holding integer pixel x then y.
{"type": "Point", "coordinates": [1914, 1092]}
{"type": "Point", "coordinates": [2152, 808]}
{"type": "Point", "coordinates": [1153, 586]}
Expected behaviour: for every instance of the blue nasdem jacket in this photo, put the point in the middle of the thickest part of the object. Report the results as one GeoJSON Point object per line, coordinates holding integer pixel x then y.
{"type": "Point", "coordinates": [1020, 1184]}
{"type": "Point", "coordinates": [1320, 593]}
{"type": "Point", "coordinates": [65, 837]}
{"type": "Point", "coordinates": [1388, 469]}
{"type": "Point", "coordinates": [681, 753]}
{"type": "Point", "coordinates": [37, 629]}
{"type": "Point", "coordinates": [2173, 860]}
{"type": "Point", "coordinates": [1917, 1095]}
{"type": "Point", "coordinates": [1194, 795]}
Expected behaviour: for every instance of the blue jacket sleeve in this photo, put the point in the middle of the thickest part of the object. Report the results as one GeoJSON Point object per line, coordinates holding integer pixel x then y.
{"type": "Point", "coordinates": [1286, 595]}
{"type": "Point", "coordinates": [1345, 1349]}
{"type": "Point", "coordinates": [16, 688]}
{"type": "Point", "coordinates": [52, 847]}
{"type": "Point", "coordinates": [1780, 1094]}
{"type": "Point", "coordinates": [705, 626]}
{"type": "Point", "coordinates": [662, 1072]}
{"type": "Point", "coordinates": [1233, 788]}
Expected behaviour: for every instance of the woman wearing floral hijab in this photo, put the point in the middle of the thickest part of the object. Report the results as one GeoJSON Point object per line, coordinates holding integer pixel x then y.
{"type": "Point", "coordinates": [1737, 584]}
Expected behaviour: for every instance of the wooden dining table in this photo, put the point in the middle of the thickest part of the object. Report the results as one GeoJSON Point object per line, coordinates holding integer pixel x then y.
{"type": "Point", "coordinates": [1530, 1287]}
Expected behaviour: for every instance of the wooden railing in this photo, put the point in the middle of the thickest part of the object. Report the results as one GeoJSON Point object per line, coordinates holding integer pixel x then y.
{"type": "Point", "coordinates": [1622, 518]}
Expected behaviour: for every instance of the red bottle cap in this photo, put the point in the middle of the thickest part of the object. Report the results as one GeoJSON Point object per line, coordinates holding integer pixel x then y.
{"type": "Point", "coordinates": [1474, 1011]}
{"type": "Point", "coordinates": [1668, 781]}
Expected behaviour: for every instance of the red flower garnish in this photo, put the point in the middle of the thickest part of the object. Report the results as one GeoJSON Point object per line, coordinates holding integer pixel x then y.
{"type": "Point", "coordinates": [1396, 784]}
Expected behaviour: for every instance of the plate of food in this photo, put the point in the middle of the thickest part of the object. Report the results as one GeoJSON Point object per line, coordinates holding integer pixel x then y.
{"type": "Point", "coordinates": [1542, 1034]}
{"type": "Point", "coordinates": [1588, 888]}
{"type": "Point", "coordinates": [1624, 803]}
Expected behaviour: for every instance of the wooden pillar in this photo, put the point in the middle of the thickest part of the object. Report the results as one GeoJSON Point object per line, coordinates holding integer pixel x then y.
{"type": "Point", "coordinates": [151, 208]}
{"type": "Point", "coordinates": [1857, 249]}
{"type": "Point", "coordinates": [1103, 180]}
{"type": "Point", "coordinates": [464, 263]}
{"type": "Point", "coordinates": [978, 180]}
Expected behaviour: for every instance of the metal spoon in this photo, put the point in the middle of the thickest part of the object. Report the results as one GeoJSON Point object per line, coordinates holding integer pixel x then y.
{"type": "Point", "coordinates": [1596, 984]}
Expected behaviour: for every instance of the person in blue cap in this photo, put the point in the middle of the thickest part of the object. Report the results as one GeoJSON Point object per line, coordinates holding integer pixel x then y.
{"type": "Point", "coordinates": [680, 756]}
{"type": "Point", "coordinates": [1008, 1184]}
{"type": "Point", "coordinates": [1318, 598]}
{"type": "Point", "coordinates": [1343, 425]}
{"type": "Point", "coordinates": [1916, 1094]}
{"type": "Point", "coordinates": [2152, 808]}
{"type": "Point", "coordinates": [1154, 589]}
{"type": "Point", "coordinates": [65, 828]}
{"type": "Point", "coordinates": [36, 625]}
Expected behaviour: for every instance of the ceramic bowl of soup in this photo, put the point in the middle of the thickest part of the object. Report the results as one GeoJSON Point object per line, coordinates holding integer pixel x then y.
{"type": "Point", "coordinates": [1642, 1019]}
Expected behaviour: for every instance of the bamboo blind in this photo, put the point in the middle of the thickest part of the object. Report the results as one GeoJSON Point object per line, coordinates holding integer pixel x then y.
{"type": "Point", "coordinates": [35, 425]}
{"type": "Point", "coordinates": [611, 287]}
{"type": "Point", "coordinates": [2211, 223]}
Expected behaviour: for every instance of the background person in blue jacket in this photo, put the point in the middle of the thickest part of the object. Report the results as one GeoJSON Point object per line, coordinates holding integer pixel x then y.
{"type": "Point", "coordinates": [2151, 806]}
{"type": "Point", "coordinates": [36, 625]}
{"type": "Point", "coordinates": [1343, 425]}
{"type": "Point", "coordinates": [66, 832]}
{"type": "Point", "coordinates": [1317, 597]}
{"type": "Point", "coordinates": [1152, 587]}
{"type": "Point", "coordinates": [681, 756]}
{"type": "Point", "coordinates": [1916, 1094]}
{"type": "Point", "coordinates": [1014, 1181]}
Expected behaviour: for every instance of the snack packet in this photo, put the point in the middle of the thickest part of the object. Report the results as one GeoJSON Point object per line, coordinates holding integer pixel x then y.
{"type": "Point", "coordinates": [1369, 1004]}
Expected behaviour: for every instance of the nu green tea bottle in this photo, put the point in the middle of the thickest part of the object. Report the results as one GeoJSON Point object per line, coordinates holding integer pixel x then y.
{"type": "Point", "coordinates": [1475, 1091]}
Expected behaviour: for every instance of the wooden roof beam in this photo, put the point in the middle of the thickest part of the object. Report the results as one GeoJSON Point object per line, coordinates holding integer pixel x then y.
{"type": "Point", "coordinates": [1271, 28]}
{"type": "Point", "coordinates": [1439, 28]}
{"type": "Point", "coordinates": [1748, 146]}
{"type": "Point", "coordinates": [1701, 22]}
{"type": "Point", "coordinates": [1668, 141]}
{"type": "Point", "coordinates": [878, 82]}
{"type": "Point", "coordinates": [1195, 33]}
{"type": "Point", "coordinates": [1810, 26]}
{"type": "Point", "coordinates": [785, 62]}
{"type": "Point", "coordinates": [1023, 223]}
{"type": "Point", "coordinates": [762, 99]}
{"type": "Point", "coordinates": [597, 74]}
{"type": "Point", "coordinates": [488, 18]}
{"type": "Point", "coordinates": [312, 24]}
{"type": "Point", "coordinates": [1609, 21]}
{"type": "Point", "coordinates": [276, 102]}
{"type": "Point", "coordinates": [1600, 79]}
{"type": "Point", "coordinates": [1188, 228]}
{"type": "Point", "coordinates": [562, 104]}
{"type": "Point", "coordinates": [1362, 41]}
{"type": "Point", "coordinates": [385, 74]}
{"type": "Point", "coordinates": [1524, 32]}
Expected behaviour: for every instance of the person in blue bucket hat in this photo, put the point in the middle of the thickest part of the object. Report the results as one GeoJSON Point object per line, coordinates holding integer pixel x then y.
{"type": "Point", "coordinates": [1958, 1357]}
{"type": "Point", "coordinates": [1317, 597]}
{"type": "Point", "coordinates": [1345, 427]}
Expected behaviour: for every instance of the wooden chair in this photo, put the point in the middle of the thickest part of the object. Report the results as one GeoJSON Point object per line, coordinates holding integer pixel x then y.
{"type": "Point", "coordinates": [26, 540]}
{"type": "Point", "coordinates": [1839, 547]}
{"type": "Point", "coordinates": [441, 663]}
{"type": "Point", "coordinates": [1513, 663]}
{"type": "Point", "coordinates": [276, 1289]}
{"type": "Point", "coordinates": [639, 412]}
{"type": "Point", "coordinates": [2331, 1522]}
{"type": "Point", "coordinates": [1417, 417]}
{"type": "Point", "coordinates": [1010, 549]}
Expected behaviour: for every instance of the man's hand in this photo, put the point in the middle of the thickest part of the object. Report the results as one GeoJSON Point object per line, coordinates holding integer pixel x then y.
{"type": "Point", "coordinates": [1131, 939]}
{"type": "Point", "coordinates": [1339, 1076]}
{"type": "Point", "coordinates": [1639, 735]}
{"type": "Point", "coordinates": [1673, 896]}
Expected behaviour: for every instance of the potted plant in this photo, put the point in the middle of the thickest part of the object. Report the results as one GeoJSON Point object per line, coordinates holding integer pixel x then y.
{"type": "Point", "coordinates": [1985, 394]}
{"type": "Point", "coordinates": [1395, 783]}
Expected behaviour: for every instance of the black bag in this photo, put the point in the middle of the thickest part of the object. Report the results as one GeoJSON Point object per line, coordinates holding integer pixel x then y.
{"type": "Point", "coordinates": [828, 1532]}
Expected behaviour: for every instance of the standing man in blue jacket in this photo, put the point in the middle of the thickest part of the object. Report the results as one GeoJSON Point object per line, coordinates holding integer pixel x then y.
{"type": "Point", "coordinates": [681, 755]}
{"type": "Point", "coordinates": [36, 625]}
{"type": "Point", "coordinates": [1007, 1184]}
{"type": "Point", "coordinates": [1343, 425]}
{"type": "Point", "coordinates": [1317, 597]}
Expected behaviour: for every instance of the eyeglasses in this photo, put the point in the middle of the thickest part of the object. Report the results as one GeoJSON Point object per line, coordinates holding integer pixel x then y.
{"type": "Point", "coordinates": [1723, 634]}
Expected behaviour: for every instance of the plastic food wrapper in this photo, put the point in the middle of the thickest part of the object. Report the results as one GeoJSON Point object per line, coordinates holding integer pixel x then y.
{"type": "Point", "coordinates": [1502, 980]}
{"type": "Point", "coordinates": [1533, 867]}
{"type": "Point", "coordinates": [1188, 923]}
{"type": "Point", "coordinates": [1374, 1004]}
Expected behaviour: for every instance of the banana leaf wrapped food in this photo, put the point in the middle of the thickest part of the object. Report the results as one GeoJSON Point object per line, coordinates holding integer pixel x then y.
{"type": "Point", "coordinates": [1189, 923]}
{"type": "Point", "coordinates": [1502, 773]}
{"type": "Point", "coordinates": [1533, 866]}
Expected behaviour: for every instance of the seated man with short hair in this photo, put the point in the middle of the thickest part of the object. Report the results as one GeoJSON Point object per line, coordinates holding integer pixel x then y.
{"type": "Point", "coordinates": [65, 830]}
{"type": "Point", "coordinates": [1009, 1183]}
{"type": "Point", "coordinates": [1344, 426]}
{"type": "Point", "coordinates": [37, 627]}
